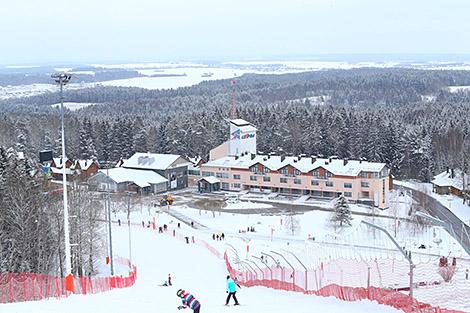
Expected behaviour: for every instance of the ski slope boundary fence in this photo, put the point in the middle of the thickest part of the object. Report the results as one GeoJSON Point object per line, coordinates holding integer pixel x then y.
{"type": "Point", "coordinates": [18, 287]}
{"type": "Point", "coordinates": [282, 279]}
{"type": "Point", "coordinates": [384, 296]}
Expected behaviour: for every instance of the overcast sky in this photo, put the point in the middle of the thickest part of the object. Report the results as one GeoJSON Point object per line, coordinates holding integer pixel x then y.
{"type": "Point", "coordinates": [151, 30]}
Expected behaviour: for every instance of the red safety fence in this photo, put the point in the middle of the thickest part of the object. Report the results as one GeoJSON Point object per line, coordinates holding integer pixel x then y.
{"type": "Point", "coordinates": [17, 287]}
{"type": "Point", "coordinates": [284, 279]}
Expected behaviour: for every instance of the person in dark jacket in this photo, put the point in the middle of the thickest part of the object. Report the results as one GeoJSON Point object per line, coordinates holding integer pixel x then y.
{"type": "Point", "coordinates": [188, 301]}
{"type": "Point", "coordinates": [231, 290]}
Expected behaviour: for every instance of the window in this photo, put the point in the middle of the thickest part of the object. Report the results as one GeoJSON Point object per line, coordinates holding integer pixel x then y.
{"type": "Point", "coordinates": [348, 194]}
{"type": "Point", "coordinates": [315, 183]}
{"type": "Point", "coordinates": [347, 185]}
{"type": "Point", "coordinates": [365, 194]}
{"type": "Point", "coordinates": [283, 180]}
{"type": "Point", "coordinates": [327, 194]}
{"type": "Point", "coordinates": [254, 169]}
{"type": "Point", "coordinates": [225, 186]}
{"type": "Point", "coordinates": [236, 185]}
{"type": "Point", "coordinates": [316, 173]}
{"type": "Point", "coordinates": [266, 170]}
{"type": "Point", "coordinates": [383, 191]}
{"type": "Point", "coordinates": [236, 176]}
{"type": "Point", "coordinates": [364, 184]}
{"type": "Point", "coordinates": [329, 184]}
{"type": "Point", "coordinates": [221, 175]}
{"type": "Point", "coordinates": [316, 193]}
{"type": "Point", "coordinates": [284, 171]}
{"type": "Point", "coordinates": [253, 178]}
{"type": "Point", "coordinates": [364, 175]}
{"type": "Point", "coordinates": [328, 174]}
{"type": "Point", "coordinates": [297, 181]}
{"type": "Point", "coordinates": [266, 178]}
{"type": "Point", "coordinates": [297, 172]}
{"type": "Point", "coordinates": [206, 174]}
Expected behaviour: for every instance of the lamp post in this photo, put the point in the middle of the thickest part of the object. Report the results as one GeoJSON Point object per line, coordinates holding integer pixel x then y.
{"type": "Point", "coordinates": [62, 79]}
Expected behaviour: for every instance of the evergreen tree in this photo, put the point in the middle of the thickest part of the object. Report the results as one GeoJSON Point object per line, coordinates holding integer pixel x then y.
{"type": "Point", "coordinates": [342, 212]}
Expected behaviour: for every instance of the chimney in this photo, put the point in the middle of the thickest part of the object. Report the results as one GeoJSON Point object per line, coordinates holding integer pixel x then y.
{"type": "Point", "coordinates": [283, 157]}
{"type": "Point", "coordinates": [299, 157]}
{"type": "Point", "coordinates": [345, 161]}
{"type": "Point", "coordinates": [253, 156]}
{"type": "Point", "coordinates": [452, 174]}
{"type": "Point", "coordinates": [295, 160]}
{"type": "Point", "coordinates": [269, 156]}
{"type": "Point", "coordinates": [329, 159]}
{"type": "Point", "coordinates": [360, 160]}
{"type": "Point", "coordinates": [314, 158]}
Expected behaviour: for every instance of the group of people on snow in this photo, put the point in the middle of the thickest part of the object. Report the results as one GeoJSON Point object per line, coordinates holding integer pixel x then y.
{"type": "Point", "coordinates": [189, 301]}
{"type": "Point", "coordinates": [218, 237]}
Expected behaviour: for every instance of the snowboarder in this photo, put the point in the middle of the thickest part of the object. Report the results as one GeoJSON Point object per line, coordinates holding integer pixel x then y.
{"type": "Point", "coordinates": [179, 225]}
{"type": "Point", "coordinates": [231, 290]}
{"type": "Point", "coordinates": [119, 222]}
{"type": "Point", "coordinates": [188, 301]}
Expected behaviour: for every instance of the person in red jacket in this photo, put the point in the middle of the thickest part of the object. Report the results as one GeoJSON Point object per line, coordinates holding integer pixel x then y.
{"type": "Point", "coordinates": [188, 301]}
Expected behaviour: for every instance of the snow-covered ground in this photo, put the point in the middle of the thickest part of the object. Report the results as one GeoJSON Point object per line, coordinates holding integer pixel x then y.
{"type": "Point", "coordinates": [193, 269]}
{"type": "Point", "coordinates": [73, 106]}
{"type": "Point", "coordinates": [21, 91]}
{"type": "Point", "coordinates": [198, 72]}
{"type": "Point", "coordinates": [459, 88]}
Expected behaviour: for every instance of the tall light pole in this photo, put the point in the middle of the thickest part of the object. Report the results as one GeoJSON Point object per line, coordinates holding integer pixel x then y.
{"type": "Point", "coordinates": [62, 79]}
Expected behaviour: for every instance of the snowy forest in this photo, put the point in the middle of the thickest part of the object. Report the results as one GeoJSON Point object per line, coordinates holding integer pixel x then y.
{"type": "Point", "coordinates": [406, 118]}
{"type": "Point", "coordinates": [26, 211]}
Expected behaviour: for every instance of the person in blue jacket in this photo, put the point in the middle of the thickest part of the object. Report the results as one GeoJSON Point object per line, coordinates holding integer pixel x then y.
{"type": "Point", "coordinates": [231, 290]}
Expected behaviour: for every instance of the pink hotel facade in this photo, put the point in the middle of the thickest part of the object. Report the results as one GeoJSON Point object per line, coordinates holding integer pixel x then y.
{"type": "Point", "coordinates": [358, 181]}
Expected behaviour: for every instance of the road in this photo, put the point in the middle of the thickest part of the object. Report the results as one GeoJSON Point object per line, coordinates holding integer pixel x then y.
{"type": "Point", "coordinates": [436, 209]}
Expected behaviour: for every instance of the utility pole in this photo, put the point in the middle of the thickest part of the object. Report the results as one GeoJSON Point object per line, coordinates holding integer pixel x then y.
{"type": "Point", "coordinates": [110, 235]}
{"type": "Point", "coordinates": [129, 226]}
{"type": "Point", "coordinates": [62, 79]}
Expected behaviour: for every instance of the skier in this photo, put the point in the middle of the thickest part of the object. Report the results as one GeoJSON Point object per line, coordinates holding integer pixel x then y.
{"type": "Point", "coordinates": [169, 279]}
{"type": "Point", "coordinates": [231, 290]}
{"type": "Point", "coordinates": [188, 301]}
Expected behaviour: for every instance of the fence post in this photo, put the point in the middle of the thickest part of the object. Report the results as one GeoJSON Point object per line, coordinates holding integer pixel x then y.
{"type": "Point", "coordinates": [293, 269]}
{"type": "Point", "coordinates": [305, 268]}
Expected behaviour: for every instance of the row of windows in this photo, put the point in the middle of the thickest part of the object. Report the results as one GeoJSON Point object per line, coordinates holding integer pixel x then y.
{"type": "Point", "coordinates": [283, 180]}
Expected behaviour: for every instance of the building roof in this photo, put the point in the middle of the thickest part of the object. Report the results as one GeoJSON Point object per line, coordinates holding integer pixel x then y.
{"type": "Point", "coordinates": [152, 161]}
{"type": "Point", "coordinates": [141, 178]}
{"type": "Point", "coordinates": [243, 125]}
{"type": "Point", "coordinates": [444, 179]}
{"type": "Point", "coordinates": [210, 179]}
{"type": "Point", "coordinates": [58, 161]}
{"type": "Point", "coordinates": [84, 164]}
{"type": "Point", "coordinates": [303, 164]}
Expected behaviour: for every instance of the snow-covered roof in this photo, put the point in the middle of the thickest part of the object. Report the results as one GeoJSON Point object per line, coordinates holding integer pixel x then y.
{"type": "Point", "coordinates": [141, 178]}
{"type": "Point", "coordinates": [243, 125]}
{"type": "Point", "coordinates": [58, 163]}
{"type": "Point", "coordinates": [84, 164]}
{"type": "Point", "coordinates": [195, 160]}
{"type": "Point", "coordinates": [153, 161]}
{"type": "Point", "coordinates": [210, 179]}
{"type": "Point", "coordinates": [303, 164]}
{"type": "Point", "coordinates": [444, 179]}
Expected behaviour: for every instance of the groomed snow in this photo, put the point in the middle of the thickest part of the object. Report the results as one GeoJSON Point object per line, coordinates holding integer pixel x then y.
{"type": "Point", "coordinates": [193, 269]}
